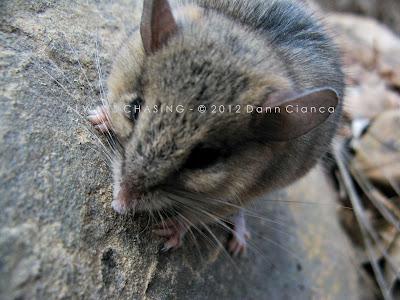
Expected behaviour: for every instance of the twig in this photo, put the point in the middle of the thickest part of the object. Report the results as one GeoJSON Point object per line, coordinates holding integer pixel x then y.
{"type": "Point", "coordinates": [386, 208]}
{"type": "Point", "coordinates": [360, 215]}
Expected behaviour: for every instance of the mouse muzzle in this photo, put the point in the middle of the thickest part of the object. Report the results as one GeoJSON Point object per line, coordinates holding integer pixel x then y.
{"type": "Point", "coordinates": [126, 199]}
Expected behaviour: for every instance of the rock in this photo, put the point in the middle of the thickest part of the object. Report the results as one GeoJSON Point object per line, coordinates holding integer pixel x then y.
{"type": "Point", "coordinates": [378, 151]}
{"type": "Point", "coordinates": [60, 238]}
{"type": "Point", "coordinates": [386, 11]}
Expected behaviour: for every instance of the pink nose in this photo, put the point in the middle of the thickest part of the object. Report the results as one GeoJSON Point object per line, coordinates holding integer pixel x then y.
{"type": "Point", "coordinates": [125, 200]}
{"type": "Point", "coordinates": [124, 195]}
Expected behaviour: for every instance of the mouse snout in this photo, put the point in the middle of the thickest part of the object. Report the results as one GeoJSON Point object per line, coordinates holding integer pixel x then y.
{"type": "Point", "coordinates": [126, 199]}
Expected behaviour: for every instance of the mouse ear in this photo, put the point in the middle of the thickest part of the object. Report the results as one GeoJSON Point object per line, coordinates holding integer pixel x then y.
{"type": "Point", "coordinates": [292, 114]}
{"type": "Point", "coordinates": [157, 24]}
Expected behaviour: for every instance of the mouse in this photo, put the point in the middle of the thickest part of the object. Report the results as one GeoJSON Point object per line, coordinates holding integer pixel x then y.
{"type": "Point", "coordinates": [215, 103]}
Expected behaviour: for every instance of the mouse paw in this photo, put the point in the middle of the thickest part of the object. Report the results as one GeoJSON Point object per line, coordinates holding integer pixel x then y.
{"type": "Point", "coordinates": [237, 244]}
{"type": "Point", "coordinates": [173, 231]}
{"type": "Point", "coordinates": [100, 119]}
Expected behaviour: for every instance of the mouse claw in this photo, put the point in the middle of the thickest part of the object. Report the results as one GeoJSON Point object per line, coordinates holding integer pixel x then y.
{"type": "Point", "coordinates": [173, 243]}
{"type": "Point", "coordinates": [237, 245]}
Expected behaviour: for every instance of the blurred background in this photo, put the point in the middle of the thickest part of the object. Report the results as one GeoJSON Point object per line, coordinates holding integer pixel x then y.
{"type": "Point", "coordinates": [368, 152]}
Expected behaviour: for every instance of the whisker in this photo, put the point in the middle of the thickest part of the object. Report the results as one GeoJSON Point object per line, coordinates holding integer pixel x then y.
{"type": "Point", "coordinates": [192, 235]}
{"type": "Point", "coordinates": [207, 201]}
{"type": "Point", "coordinates": [219, 244]}
{"type": "Point", "coordinates": [74, 110]}
{"type": "Point", "coordinates": [79, 63]}
{"type": "Point", "coordinates": [218, 222]}
{"type": "Point", "coordinates": [103, 95]}
{"type": "Point", "coordinates": [208, 211]}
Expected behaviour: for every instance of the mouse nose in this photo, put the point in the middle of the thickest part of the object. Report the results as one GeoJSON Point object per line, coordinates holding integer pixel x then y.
{"type": "Point", "coordinates": [126, 199]}
{"type": "Point", "coordinates": [128, 193]}
{"type": "Point", "coordinates": [123, 195]}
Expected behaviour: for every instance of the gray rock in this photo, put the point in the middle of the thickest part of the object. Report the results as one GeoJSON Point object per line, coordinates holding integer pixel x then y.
{"type": "Point", "coordinates": [60, 238]}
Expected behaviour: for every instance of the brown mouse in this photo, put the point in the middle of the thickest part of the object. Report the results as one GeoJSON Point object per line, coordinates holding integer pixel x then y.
{"type": "Point", "coordinates": [271, 68]}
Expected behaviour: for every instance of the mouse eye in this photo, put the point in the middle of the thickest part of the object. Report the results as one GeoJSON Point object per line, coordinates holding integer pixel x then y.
{"type": "Point", "coordinates": [203, 157]}
{"type": "Point", "coordinates": [135, 107]}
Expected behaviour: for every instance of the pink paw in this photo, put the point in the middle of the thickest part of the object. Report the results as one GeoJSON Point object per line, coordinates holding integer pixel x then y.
{"type": "Point", "coordinates": [237, 245]}
{"type": "Point", "coordinates": [238, 242]}
{"type": "Point", "coordinates": [100, 119]}
{"type": "Point", "coordinates": [173, 231]}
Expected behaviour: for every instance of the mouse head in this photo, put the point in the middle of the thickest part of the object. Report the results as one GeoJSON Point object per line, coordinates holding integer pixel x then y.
{"type": "Point", "coordinates": [181, 94]}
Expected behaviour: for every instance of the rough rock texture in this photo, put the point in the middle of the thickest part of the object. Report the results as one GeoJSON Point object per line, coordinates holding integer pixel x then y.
{"type": "Point", "coordinates": [59, 238]}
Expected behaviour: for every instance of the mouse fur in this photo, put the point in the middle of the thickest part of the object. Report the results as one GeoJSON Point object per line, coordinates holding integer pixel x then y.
{"type": "Point", "coordinates": [224, 52]}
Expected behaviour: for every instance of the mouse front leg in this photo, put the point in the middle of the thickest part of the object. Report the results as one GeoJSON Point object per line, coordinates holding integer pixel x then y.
{"type": "Point", "coordinates": [238, 242]}
{"type": "Point", "coordinates": [100, 118]}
